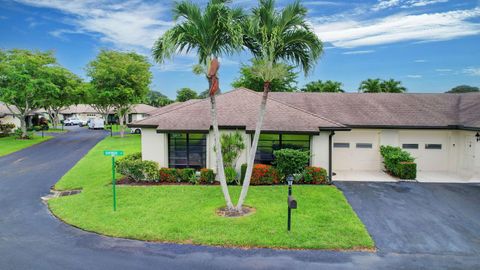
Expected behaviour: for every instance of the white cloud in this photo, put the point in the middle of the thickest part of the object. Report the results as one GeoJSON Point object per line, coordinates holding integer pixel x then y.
{"type": "Point", "coordinates": [351, 33]}
{"type": "Point", "coordinates": [386, 4]}
{"type": "Point", "coordinates": [472, 71]}
{"type": "Point", "coordinates": [443, 70]}
{"type": "Point", "coordinates": [420, 61]}
{"type": "Point", "coordinates": [359, 52]}
{"type": "Point", "coordinates": [414, 76]}
{"type": "Point", "coordinates": [127, 25]}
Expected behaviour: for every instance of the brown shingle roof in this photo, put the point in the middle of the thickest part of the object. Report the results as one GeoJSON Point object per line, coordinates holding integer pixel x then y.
{"type": "Point", "coordinates": [388, 109]}
{"type": "Point", "coordinates": [238, 108]}
{"type": "Point", "coordinates": [143, 108]}
{"type": "Point", "coordinates": [307, 112]}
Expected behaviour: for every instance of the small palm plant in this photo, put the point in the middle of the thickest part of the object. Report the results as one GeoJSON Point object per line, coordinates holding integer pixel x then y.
{"type": "Point", "coordinates": [214, 31]}
{"type": "Point", "coordinates": [274, 36]}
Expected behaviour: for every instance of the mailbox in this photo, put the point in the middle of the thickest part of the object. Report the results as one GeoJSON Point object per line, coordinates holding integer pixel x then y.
{"type": "Point", "coordinates": [292, 203]}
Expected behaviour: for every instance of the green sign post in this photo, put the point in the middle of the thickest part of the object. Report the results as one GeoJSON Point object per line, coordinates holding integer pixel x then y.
{"type": "Point", "coordinates": [113, 154]}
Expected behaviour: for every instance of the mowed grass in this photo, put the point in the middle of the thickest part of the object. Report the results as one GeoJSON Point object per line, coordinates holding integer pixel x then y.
{"type": "Point", "coordinates": [11, 144]}
{"type": "Point", "coordinates": [186, 214]}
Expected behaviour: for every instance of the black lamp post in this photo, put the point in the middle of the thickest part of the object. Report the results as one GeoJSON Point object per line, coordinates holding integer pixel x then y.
{"type": "Point", "coordinates": [478, 137]}
{"type": "Point", "coordinates": [292, 203]}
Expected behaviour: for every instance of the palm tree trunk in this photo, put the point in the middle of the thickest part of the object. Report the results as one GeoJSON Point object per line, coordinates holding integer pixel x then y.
{"type": "Point", "coordinates": [253, 149]}
{"type": "Point", "coordinates": [218, 148]}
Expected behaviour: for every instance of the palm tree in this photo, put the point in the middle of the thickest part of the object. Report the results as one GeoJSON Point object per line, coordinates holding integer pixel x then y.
{"type": "Point", "coordinates": [392, 86]}
{"type": "Point", "coordinates": [370, 86]}
{"type": "Point", "coordinates": [273, 36]}
{"type": "Point", "coordinates": [216, 30]}
{"type": "Point", "coordinates": [320, 86]}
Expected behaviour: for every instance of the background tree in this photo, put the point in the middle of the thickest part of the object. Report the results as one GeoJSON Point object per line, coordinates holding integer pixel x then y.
{"type": "Point", "coordinates": [185, 94]}
{"type": "Point", "coordinates": [204, 94]}
{"type": "Point", "coordinates": [99, 100]}
{"type": "Point", "coordinates": [214, 31]}
{"type": "Point", "coordinates": [24, 81]}
{"type": "Point", "coordinates": [287, 83]}
{"type": "Point", "coordinates": [65, 92]}
{"type": "Point", "coordinates": [320, 86]}
{"type": "Point", "coordinates": [157, 99]}
{"type": "Point", "coordinates": [392, 86]}
{"type": "Point", "coordinates": [463, 89]}
{"type": "Point", "coordinates": [370, 86]}
{"type": "Point", "coordinates": [272, 36]}
{"type": "Point", "coordinates": [123, 78]}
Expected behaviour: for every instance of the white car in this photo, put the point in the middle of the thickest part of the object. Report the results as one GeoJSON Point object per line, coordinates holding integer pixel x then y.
{"type": "Point", "coordinates": [73, 121]}
{"type": "Point", "coordinates": [96, 123]}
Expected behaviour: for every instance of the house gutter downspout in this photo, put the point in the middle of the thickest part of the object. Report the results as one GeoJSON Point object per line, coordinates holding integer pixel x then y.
{"type": "Point", "coordinates": [330, 139]}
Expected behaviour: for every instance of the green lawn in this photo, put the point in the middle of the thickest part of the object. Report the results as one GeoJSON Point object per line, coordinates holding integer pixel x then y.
{"type": "Point", "coordinates": [10, 144]}
{"type": "Point", "coordinates": [186, 214]}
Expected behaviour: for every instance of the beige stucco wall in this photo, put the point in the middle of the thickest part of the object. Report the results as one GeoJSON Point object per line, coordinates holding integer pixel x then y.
{"type": "Point", "coordinates": [460, 152]}
{"type": "Point", "coordinates": [155, 146]}
{"type": "Point", "coordinates": [10, 119]}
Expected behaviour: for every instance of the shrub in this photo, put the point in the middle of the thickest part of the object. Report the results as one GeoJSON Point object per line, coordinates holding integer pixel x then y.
{"type": "Point", "coordinates": [407, 170]}
{"type": "Point", "coordinates": [6, 129]}
{"type": "Point", "coordinates": [232, 146]}
{"type": "Point", "coordinates": [290, 161]}
{"type": "Point", "coordinates": [136, 169]}
{"type": "Point", "coordinates": [168, 175]}
{"type": "Point", "coordinates": [207, 176]}
{"type": "Point", "coordinates": [18, 134]}
{"type": "Point", "coordinates": [398, 162]}
{"type": "Point", "coordinates": [185, 175]}
{"type": "Point", "coordinates": [264, 175]}
{"type": "Point", "coordinates": [231, 175]}
{"type": "Point", "coordinates": [314, 175]}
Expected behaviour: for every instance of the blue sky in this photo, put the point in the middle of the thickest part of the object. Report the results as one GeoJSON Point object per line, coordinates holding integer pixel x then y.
{"type": "Point", "coordinates": [429, 45]}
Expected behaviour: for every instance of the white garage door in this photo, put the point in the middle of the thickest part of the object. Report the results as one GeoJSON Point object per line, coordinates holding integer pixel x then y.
{"type": "Point", "coordinates": [356, 150]}
{"type": "Point", "coordinates": [430, 148]}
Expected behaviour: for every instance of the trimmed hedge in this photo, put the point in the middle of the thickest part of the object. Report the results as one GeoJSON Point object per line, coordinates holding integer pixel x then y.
{"type": "Point", "coordinates": [314, 176]}
{"type": "Point", "coordinates": [264, 175]}
{"type": "Point", "coordinates": [398, 162]}
{"type": "Point", "coordinates": [168, 175]}
{"type": "Point", "coordinates": [186, 175]}
{"type": "Point", "coordinates": [133, 167]}
{"type": "Point", "coordinates": [290, 161]}
{"type": "Point", "coordinates": [207, 176]}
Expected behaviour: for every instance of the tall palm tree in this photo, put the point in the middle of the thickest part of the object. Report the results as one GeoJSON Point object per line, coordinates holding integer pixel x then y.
{"type": "Point", "coordinates": [216, 30]}
{"type": "Point", "coordinates": [392, 86]}
{"type": "Point", "coordinates": [274, 36]}
{"type": "Point", "coordinates": [370, 86]}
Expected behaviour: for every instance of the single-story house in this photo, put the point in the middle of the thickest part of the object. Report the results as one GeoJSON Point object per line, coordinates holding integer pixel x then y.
{"type": "Point", "coordinates": [6, 116]}
{"type": "Point", "coordinates": [343, 131]}
{"type": "Point", "coordinates": [85, 111]}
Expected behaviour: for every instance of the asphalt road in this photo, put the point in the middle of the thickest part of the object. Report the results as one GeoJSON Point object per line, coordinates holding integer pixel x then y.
{"type": "Point", "coordinates": [415, 226]}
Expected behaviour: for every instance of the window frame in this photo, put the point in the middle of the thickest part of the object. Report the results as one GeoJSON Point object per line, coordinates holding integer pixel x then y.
{"type": "Point", "coordinates": [280, 143]}
{"type": "Point", "coordinates": [187, 151]}
{"type": "Point", "coordinates": [341, 145]}
{"type": "Point", "coordinates": [364, 145]}
{"type": "Point", "coordinates": [410, 144]}
{"type": "Point", "coordinates": [433, 144]}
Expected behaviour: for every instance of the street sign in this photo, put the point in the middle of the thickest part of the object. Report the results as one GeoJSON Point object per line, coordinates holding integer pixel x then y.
{"type": "Point", "coordinates": [113, 153]}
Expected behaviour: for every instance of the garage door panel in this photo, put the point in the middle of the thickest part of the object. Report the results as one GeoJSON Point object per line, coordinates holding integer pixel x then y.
{"type": "Point", "coordinates": [362, 152]}
{"type": "Point", "coordinates": [431, 153]}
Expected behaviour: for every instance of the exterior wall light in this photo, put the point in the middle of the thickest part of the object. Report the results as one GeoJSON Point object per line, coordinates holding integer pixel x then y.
{"type": "Point", "coordinates": [477, 136]}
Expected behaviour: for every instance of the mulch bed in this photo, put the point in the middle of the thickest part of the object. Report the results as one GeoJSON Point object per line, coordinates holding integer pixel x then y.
{"type": "Point", "coordinates": [246, 211]}
{"type": "Point", "coordinates": [129, 182]}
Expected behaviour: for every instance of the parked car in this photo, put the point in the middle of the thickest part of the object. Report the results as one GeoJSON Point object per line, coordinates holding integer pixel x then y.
{"type": "Point", "coordinates": [136, 130]}
{"type": "Point", "coordinates": [95, 123]}
{"type": "Point", "coordinates": [73, 121]}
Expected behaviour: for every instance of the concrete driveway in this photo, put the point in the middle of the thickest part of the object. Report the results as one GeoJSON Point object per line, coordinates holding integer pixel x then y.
{"type": "Point", "coordinates": [31, 238]}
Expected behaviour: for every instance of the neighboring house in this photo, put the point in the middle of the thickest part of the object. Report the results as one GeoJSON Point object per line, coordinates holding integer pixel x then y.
{"type": "Point", "coordinates": [7, 117]}
{"type": "Point", "coordinates": [84, 112]}
{"type": "Point", "coordinates": [437, 129]}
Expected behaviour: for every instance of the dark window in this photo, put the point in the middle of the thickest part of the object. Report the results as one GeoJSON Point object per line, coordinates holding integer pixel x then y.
{"type": "Point", "coordinates": [364, 145]}
{"type": "Point", "coordinates": [433, 146]}
{"type": "Point", "coordinates": [268, 143]}
{"type": "Point", "coordinates": [187, 150]}
{"type": "Point", "coordinates": [410, 146]}
{"type": "Point", "coordinates": [341, 145]}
